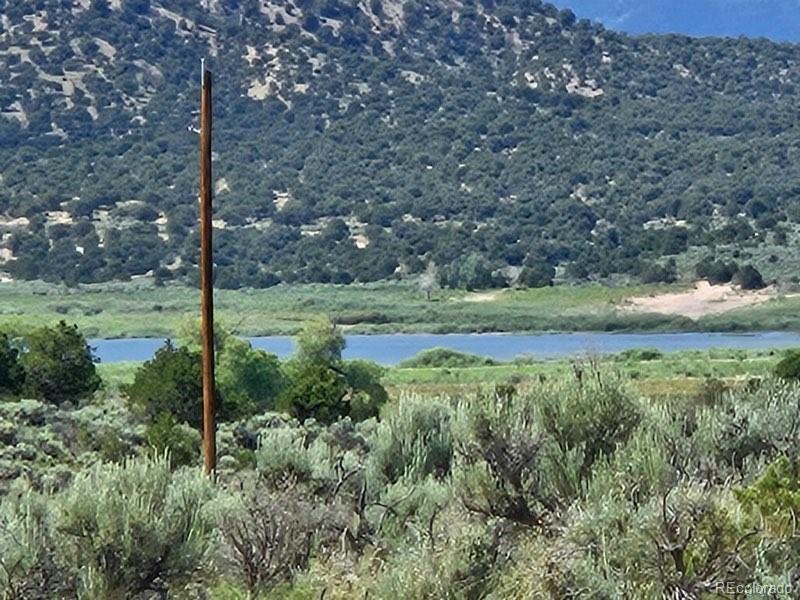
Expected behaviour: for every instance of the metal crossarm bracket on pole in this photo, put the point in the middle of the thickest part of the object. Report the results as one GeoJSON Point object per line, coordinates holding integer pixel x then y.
{"type": "Point", "coordinates": [206, 277]}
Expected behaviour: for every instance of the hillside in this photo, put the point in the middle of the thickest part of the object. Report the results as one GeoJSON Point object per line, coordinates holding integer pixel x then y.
{"type": "Point", "coordinates": [356, 140]}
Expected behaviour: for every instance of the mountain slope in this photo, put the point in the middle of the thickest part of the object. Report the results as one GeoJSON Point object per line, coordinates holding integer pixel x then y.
{"type": "Point", "coordinates": [360, 139]}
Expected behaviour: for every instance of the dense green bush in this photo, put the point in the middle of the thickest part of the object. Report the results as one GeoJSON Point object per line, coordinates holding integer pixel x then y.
{"type": "Point", "coordinates": [746, 427]}
{"type": "Point", "coordinates": [12, 375]}
{"type": "Point", "coordinates": [171, 382]}
{"type": "Point", "coordinates": [283, 456]}
{"type": "Point", "coordinates": [320, 342]}
{"type": "Point", "coordinates": [411, 442]}
{"type": "Point", "coordinates": [526, 457]}
{"type": "Point", "coordinates": [315, 391]}
{"type": "Point", "coordinates": [249, 380]}
{"type": "Point", "coordinates": [315, 383]}
{"type": "Point", "coordinates": [179, 442]}
{"type": "Point", "coordinates": [366, 395]}
{"type": "Point", "coordinates": [594, 416]}
{"type": "Point", "coordinates": [654, 458]}
{"type": "Point", "coordinates": [776, 498]}
{"type": "Point", "coordinates": [445, 357]}
{"type": "Point", "coordinates": [317, 386]}
{"type": "Point", "coordinates": [473, 272]}
{"type": "Point", "coordinates": [322, 386]}
{"type": "Point", "coordinates": [789, 367]}
{"type": "Point", "coordinates": [117, 531]}
{"type": "Point", "coordinates": [657, 273]}
{"type": "Point", "coordinates": [59, 365]}
{"type": "Point", "coordinates": [676, 544]}
{"type": "Point", "coordinates": [508, 469]}
{"type": "Point", "coordinates": [536, 276]}
{"type": "Point", "coordinates": [641, 354]}
{"type": "Point", "coordinates": [749, 278]}
{"type": "Point", "coordinates": [716, 272]}
{"type": "Point", "coordinates": [190, 335]}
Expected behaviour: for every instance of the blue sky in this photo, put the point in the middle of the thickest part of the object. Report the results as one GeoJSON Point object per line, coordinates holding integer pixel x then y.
{"type": "Point", "coordinates": [775, 19]}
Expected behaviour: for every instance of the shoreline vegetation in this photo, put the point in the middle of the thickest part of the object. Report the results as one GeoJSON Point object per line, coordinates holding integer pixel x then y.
{"type": "Point", "coordinates": [140, 309]}
{"type": "Point", "coordinates": [441, 371]}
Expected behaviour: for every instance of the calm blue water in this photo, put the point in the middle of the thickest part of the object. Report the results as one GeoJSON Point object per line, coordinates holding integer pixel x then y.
{"type": "Point", "coordinates": [391, 349]}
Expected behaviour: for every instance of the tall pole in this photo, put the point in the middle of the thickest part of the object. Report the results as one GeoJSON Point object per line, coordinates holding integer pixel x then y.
{"type": "Point", "coordinates": [206, 277]}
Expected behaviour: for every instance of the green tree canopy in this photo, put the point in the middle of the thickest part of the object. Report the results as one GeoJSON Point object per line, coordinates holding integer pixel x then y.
{"type": "Point", "coordinates": [171, 382]}
{"type": "Point", "coordinates": [537, 275]}
{"type": "Point", "coordinates": [59, 365]}
{"type": "Point", "coordinates": [12, 375]}
{"type": "Point", "coordinates": [249, 379]}
{"type": "Point", "coordinates": [367, 393]}
{"type": "Point", "coordinates": [749, 278]}
{"type": "Point", "coordinates": [323, 386]}
{"type": "Point", "coordinates": [316, 391]}
{"type": "Point", "coordinates": [320, 342]}
{"type": "Point", "coordinates": [789, 367]}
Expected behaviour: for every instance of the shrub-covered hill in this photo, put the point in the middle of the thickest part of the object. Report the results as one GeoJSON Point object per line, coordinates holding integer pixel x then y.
{"type": "Point", "coordinates": [358, 139]}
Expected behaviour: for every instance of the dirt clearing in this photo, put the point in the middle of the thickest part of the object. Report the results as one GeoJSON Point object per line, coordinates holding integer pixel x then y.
{"type": "Point", "coordinates": [703, 300]}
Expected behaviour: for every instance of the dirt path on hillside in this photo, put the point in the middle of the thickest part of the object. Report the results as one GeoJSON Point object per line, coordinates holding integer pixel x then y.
{"type": "Point", "coordinates": [703, 300]}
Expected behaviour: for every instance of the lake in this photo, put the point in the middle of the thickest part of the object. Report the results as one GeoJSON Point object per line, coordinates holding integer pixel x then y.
{"type": "Point", "coordinates": [391, 349]}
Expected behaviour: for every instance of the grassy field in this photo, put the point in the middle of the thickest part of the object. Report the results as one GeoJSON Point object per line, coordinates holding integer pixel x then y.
{"type": "Point", "coordinates": [673, 375]}
{"type": "Point", "coordinates": [116, 375]}
{"type": "Point", "coordinates": [141, 309]}
{"type": "Point", "coordinates": [667, 368]}
{"type": "Point", "coordinates": [779, 314]}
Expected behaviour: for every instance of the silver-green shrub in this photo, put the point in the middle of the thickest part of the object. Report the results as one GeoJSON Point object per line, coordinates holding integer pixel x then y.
{"type": "Point", "coordinates": [268, 535]}
{"type": "Point", "coordinates": [412, 442]}
{"type": "Point", "coordinates": [134, 527]}
{"type": "Point", "coordinates": [287, 456]}
{"type": "Point", "coordinates": [748, 428]}
{"type": "Point", "coordinates": [407, 510]}
{"type": "Point", "coordinates": [28, 569]}
{"type": "Point", "coordinates": [684, 543]}
{"type": "Point", "coordinates": [464, 563]}
{"type": "Point", "coordinates": [282, 456]}
{"type": "Point", "coordinates": [526, 457]}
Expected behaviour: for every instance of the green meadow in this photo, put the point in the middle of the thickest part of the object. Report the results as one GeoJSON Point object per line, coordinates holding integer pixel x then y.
{"type": "Point", "coordinates": [141, 309]}
{"type": "Point", "coordinates": [673, 375]}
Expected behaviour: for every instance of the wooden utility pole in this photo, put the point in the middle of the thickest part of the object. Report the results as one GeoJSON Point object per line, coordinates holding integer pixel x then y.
{"type": "Point", "coordinates": [206, 277]}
